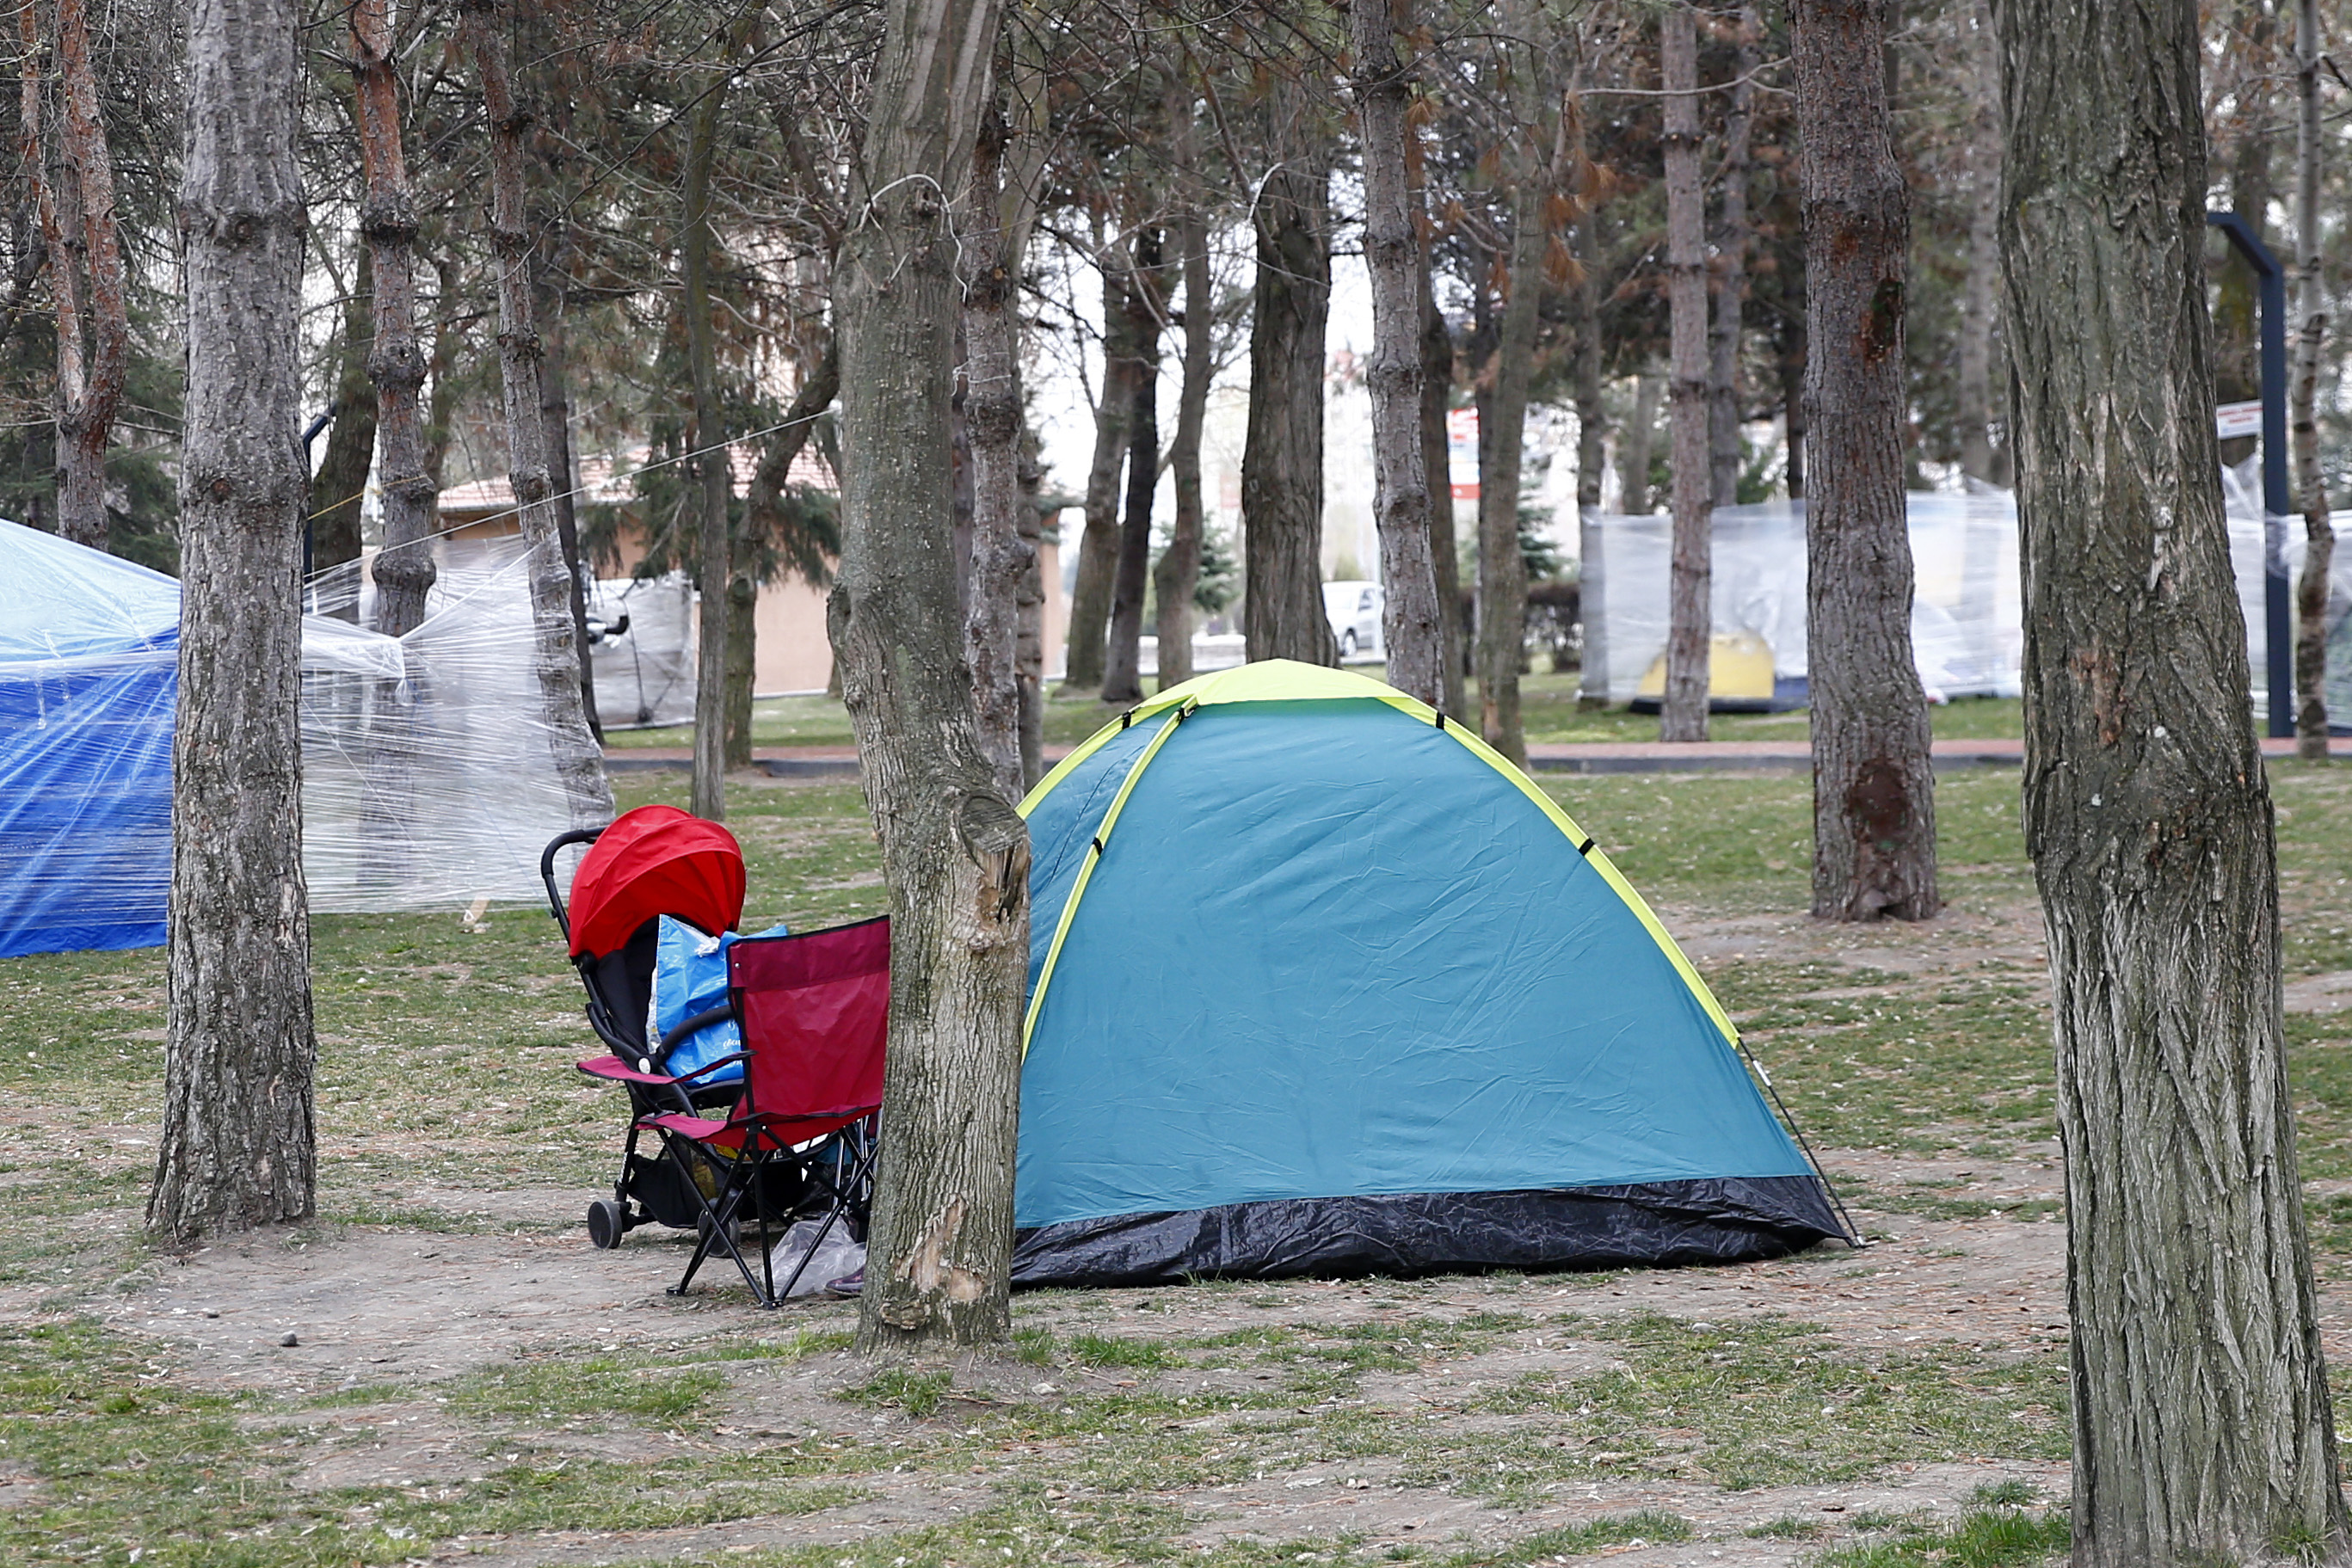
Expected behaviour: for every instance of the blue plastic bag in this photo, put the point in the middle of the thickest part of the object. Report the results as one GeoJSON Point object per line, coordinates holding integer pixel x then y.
{"type": "Point", "coordinates": [690, 978]}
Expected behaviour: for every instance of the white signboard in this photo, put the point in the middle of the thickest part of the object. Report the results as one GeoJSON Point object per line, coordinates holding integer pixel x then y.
{"type": "Point", "coordinates": [2235, 419]}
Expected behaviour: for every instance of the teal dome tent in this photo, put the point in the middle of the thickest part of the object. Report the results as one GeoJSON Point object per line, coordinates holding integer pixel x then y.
{"type": "Point", "coordinates": [1320, 983]}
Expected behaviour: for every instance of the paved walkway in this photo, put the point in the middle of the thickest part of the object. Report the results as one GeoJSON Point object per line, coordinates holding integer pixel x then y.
{"type": "Point", "coordinates": [1580, 757]}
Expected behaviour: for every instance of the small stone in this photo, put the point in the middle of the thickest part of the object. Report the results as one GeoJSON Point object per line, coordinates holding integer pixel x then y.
{"type": "Point", "coordinates": [211, 1311]}
{"type": "Point", "coordinates": [289, 1338]}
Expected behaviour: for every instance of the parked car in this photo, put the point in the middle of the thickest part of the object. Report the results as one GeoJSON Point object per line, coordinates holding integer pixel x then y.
{"type": "Point", "coordinates": [1354, 611]}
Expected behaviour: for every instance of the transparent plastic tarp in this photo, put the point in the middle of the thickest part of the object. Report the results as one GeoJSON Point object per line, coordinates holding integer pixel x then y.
{"type": "Point", "coordinates": [428, 778]}
{"type": "Point", "coordinates": [1966, 619]}
{"type": "Point", "coordinates": [641, 641]}
{"type": "Point", "coordinates": [429, 782]}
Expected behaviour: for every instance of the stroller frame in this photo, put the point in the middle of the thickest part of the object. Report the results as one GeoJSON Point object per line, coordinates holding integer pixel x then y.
{"type": "Point", "coordinates": [650, 1094]}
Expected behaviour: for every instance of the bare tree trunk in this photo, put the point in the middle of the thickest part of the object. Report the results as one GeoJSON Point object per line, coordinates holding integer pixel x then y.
{"type": "Point", "coordinates": [1122, 651]}
{"type": "Point", "coordinates": [1874, 782]}
{"type": "Point", "coordinates": [1502, 435]}
{"type": "Point", "coordinates": [1796, 352]}
{"type": "Point", "coordinates": [1591, 412]}
{"type": "Point", "coordinates": [954, 850]}
{"type": "Point", "coordinates": [1004, 195]}
{"type": "Point", "coordinates": [89, 381]}
{"type": "Point", "coordinates": [237, 1147]}
{"type": "Point", "coordinates": [1282, 455]}
{"type": "Point", "coordinates": [1689, 611]}
{"type": "Point", "coordinates": [1731, 274]}
{"type": "Point", "coordinates": [1633, 447]}
{"type": "Point", "coordinates": [1979, 307]}
{"type": "Point", "coordinates": [579, 764]}
{"type": "Point", "coordinates": [1178, 573]}
{"type": "Point", "coordinates": [1099, 546]}
{"type": "Point", "coordinates": [1029, 656]}
{"type": "Point", "coordinates": [1437, 465]}
{"type": "Point", "coordinates": [342, 476]}
{"type": "Point", "coordinates": [555, 421]}
{"type": "Point", "coordinates": [403, 568]}
{"type": "Point", "coordinates": [2201, 1408]}
{"type": "Point", "coordinates": [2310, 491]}
{"type": "Point", "coordinates": [713, 470]}
{"type": "Point", "coordinates": [1412, 623]}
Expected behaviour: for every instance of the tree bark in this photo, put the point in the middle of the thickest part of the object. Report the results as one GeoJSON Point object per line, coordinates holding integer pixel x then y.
{"type": "Point", "coordinates": [714, 472]}
{"type": "Point", "coordinates": [93, 332]}
{"type": "Point", "coordinates": [1030, 655]}
{"type": "Point", "coordinates": [237, 1147]}
{"type": "Point", "coordinates": [342, 476]}
{"type": "Point", "coordinates": [1683, 714]}
{"type": "Point", "coordinates": [2200, 1410]}
{"type": "Point", "coordinates": [1178, 573]}
{"type": "Point", "coordinates": [403, 568]}
{"type": "Point", "coordinates": [1004, 190]}
{"type": "Point", "coordinates": [1502, 433]}
{"type": "Point", "coordinates": [1633, 447]}
{"type": "Point", "coordinates": [1874, 782]}
{"type": "Point", "coordinates": [1099, 546]}
{"type": "Point", "coordinates": [1437, 465]}
{"type": "Point", "coordinates": [1979, 307]}
{"type": "Point", "coordinates": [1592, 412]}
{"type": "Point", "coordinates": [1731, 272]}
{"type": "Point", "coordinates": [579, 764]}
{"type": "Point", "coordinates": [1122, 653]}
{"type": "Point", "coordinates": [555, 423]}
{"type": "Point", "coordinates": [954, 850]}
{"type": "Point", "coordinates": [2310, 491]}
{"type": "Point", "coordinates": [1282, 453]}
{"type": "Point", "coordinates": [1403, 505]}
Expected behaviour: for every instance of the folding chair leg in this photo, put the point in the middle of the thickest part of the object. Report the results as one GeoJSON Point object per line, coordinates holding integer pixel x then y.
{"type": "Point", "coordinates": [836, 1210]}
{"type": "Point", "coordinates": [718, 1231]}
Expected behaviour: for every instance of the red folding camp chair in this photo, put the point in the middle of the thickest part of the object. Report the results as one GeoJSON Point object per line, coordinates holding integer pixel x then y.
{"type": "Point", "coordinates": [814, 1011]}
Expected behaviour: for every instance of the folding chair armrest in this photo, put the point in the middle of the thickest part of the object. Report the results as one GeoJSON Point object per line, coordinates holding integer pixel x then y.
{"type": "Point", "coordinates": [710, 1067]}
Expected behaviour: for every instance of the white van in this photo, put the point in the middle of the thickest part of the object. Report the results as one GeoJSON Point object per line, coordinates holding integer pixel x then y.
{"type": "Point", "coordinates": [1354, 611]}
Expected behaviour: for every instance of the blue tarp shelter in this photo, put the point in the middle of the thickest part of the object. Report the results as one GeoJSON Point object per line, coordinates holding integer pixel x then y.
{"type": "Point", "coordinates": [1320, 983]}
{"type": "Point", "coordinates": [88, 679]}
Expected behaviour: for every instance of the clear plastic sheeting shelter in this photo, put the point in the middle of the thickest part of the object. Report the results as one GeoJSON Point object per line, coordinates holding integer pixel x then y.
{"type": "Point", "coordinates": [429, 780]}
{"type": "Point", "coordinates": [1967, 617]}
{"type": "Point", "coordinates": [642, 639]}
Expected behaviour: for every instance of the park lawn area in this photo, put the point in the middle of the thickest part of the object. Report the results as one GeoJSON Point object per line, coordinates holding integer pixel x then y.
{"type": "Point", "coordinates": [1548, 708]}
{"type": "Point", "coordinates": [1456, 1421]}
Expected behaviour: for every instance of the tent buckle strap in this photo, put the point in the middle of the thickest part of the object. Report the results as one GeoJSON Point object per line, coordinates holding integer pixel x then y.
{"type": "Point", "coordinates": [1097, 843]}
{"type": "Point", "coordinates": [1441, 718]}
{"type": "Point", "coordinates": [1585, 847]}
{"type": "Point", "coordinates": [1127, 718]}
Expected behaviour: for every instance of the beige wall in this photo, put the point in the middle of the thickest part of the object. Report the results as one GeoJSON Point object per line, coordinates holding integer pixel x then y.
{"type": "Point", "coordinates": [794, 655]}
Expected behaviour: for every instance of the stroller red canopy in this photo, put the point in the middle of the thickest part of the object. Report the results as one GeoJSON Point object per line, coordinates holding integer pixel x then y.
{"type": "Point", "coordinates": [656, 860]}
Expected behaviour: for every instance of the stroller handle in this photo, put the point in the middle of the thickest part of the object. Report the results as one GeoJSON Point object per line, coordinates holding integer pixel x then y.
{"type": "Point", "coordinates": [547, 871]}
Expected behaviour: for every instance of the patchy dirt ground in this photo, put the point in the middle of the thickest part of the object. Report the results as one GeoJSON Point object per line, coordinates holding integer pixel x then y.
{"type": "Point", "coordinates": [415, 1347]}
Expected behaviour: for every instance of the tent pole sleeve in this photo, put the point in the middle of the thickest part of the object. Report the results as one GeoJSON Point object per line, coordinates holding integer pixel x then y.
{"type": "Point", "coordinates": [1086, 873]}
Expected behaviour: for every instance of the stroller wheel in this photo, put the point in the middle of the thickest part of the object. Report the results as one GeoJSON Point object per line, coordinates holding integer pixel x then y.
{"type": "Point", "coordinates": [606, 1224]}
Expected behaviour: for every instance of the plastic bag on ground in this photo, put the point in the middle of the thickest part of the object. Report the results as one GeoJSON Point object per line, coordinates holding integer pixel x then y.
{"type": "Point", "coordinates": [836, 1255]}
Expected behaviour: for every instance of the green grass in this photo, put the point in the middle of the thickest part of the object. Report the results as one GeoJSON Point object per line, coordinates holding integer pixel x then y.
{"type": "Point", "coordinates": [1997, 1537]}
{"type": "Point", "coordinates": [1550, 712]}
{"type": "Point", "coordinates": [443, 1075]}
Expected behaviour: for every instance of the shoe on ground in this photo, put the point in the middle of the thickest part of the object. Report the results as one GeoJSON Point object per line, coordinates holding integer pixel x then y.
{"type": "Point", "coordinates": [849, 1285]}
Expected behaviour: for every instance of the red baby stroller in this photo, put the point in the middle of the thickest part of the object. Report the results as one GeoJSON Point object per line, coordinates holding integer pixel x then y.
{"type": "Point", "coordinates": [793, 1136]}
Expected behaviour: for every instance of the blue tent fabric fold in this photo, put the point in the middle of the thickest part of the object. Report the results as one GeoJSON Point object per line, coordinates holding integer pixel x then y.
{"type": "Point", "coordinates": [88, 685]}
